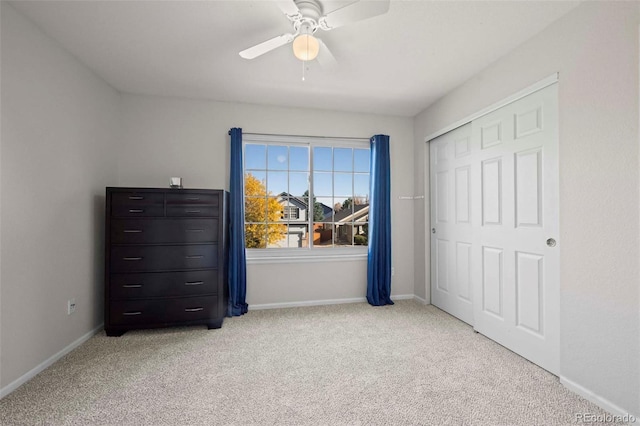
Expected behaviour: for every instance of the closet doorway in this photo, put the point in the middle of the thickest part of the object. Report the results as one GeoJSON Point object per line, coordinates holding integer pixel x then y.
{"type": "Point", "coordinates": [494, 225]}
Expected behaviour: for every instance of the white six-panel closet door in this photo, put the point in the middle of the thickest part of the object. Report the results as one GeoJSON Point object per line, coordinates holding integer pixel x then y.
{"type": "Point", "coordinates": [495, 216]}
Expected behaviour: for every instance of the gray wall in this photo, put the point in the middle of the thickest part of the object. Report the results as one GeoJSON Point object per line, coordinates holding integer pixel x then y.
{"type": "Point", "coordinates": [165, 137]}
{"type": "Point", "coordinates": [595, 49]}
{"type": "Point", "coordinates": [59, 129]}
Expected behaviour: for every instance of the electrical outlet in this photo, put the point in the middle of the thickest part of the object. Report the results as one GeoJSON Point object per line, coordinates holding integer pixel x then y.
{"type": "Point", "coordinates": [71, 306]}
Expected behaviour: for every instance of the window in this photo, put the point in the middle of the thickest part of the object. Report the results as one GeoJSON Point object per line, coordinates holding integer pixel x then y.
{"type": "Point", "coordinates": [305, 193]}
{"type": "Point", "coordinates": [291, 212]}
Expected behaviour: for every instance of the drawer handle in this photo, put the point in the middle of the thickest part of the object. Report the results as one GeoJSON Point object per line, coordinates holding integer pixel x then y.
{"type": "Point", "coordinates": [195, 230]}
{"type": "Point", "coordinates": [130, 314]}
{"type": "Point", "coordinates": [132, 231]}
{"type": "Point", "coordinates": [131, 285]}
{"type": "Point", "coordinates": [136, 197]}
{"type": "Point", "coordinates": [132, 258]}
{"type": "Point", "coordinates": [192, 211]}
{"type": "Point", "coordinates": [136, 211]}
{"type": "Point", "coordinates": [198, 256]}
{"type": "Point", "coordinates": [194, 283]}
{"type": "Point", "coordinates": [193, 309]}
{"type": "Point", "coordinates": [193, 198]}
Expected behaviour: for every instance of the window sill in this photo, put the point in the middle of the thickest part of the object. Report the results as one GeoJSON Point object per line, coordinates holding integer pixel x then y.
{"type": "Point", "coordinates": [305, 256]}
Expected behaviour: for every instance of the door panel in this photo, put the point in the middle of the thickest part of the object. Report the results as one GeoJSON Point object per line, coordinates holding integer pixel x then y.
{"type": "Point", "coordinates": [492, 281]}
{"type": "Point", "coordinates": [463, 270]}
{"type": "Point", "coordinates": [494, 205]}
{"type": "Point", "coordinates": [463, 212]}
{"type": "Point", "coordinates": [528, 175]}
{"type": "Point", "coordinates": [442, 265]}
{"type": "Point", "coordinates": [492, 192]}
{"type": "Point", "coordinates": [529, 292]}
{"type": "Point", "coordinates": [451, 211]}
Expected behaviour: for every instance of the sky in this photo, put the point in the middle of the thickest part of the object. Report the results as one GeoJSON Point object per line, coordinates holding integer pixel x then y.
{"type": "Point", "coordinates": [338, 173]}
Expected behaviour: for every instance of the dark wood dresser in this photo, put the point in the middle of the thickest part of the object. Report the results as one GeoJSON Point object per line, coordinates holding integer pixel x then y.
{"type": "Point", "coordinates": [166, 257]}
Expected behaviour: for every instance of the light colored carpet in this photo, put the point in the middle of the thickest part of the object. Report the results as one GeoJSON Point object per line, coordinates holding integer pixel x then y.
{"type": "Point", "coordinates": [406, 364]}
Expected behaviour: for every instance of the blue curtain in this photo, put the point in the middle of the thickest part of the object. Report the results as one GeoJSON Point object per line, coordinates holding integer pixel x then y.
{"type": "Point", "coordinates": [379, 253]}
{"type": "Point", "coordinates": [237, 255]}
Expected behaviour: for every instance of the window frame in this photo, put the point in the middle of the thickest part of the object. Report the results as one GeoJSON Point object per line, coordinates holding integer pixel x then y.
{"type": "Point", "coordinates": [287, 255]}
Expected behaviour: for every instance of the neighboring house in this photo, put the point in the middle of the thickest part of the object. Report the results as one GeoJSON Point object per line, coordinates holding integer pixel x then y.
{"type": "Point", "coordinates": [343, 221]}
{"type": "Point", "coordinates": [295, 212]}
{"type": "Point", "coordinates": [345, 224]}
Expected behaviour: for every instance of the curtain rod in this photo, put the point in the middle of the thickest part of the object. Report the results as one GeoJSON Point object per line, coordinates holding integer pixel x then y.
{"type": "Point", "coordinates": [303, 136]}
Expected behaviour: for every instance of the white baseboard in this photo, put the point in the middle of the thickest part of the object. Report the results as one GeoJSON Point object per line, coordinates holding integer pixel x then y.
{"type": "Point", "coordinates": [321, 302]}
{"type": "Point", "coordinates": [47, 363]}
{"type": "Point", "coordinates": [306, 303]}
{"type": "Point", "coordinates": [420, 300]}
{"type": "Point", "coordinates": [402, 296]}
{"type": "Point", "coordinates": [601, 402]}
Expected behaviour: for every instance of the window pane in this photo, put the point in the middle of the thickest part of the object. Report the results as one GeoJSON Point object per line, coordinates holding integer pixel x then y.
{"type": "Point", "coordinates": [361, 233]}
{"type": "Point", "coordinates": [323, 184]}
{"type": "Point", "coordinates": [277, 183]}
{"type": "Point", "coordinates": [323, 235]}
{"type": "Point", "coordinates": [255, 236]}
{"type": "Point", "coordinates": [277, 236]}
{"type": "Point", "coordinates": [255, 157]}
{"type": "Point", "coordinates": [277, 158]}
{"type": "Point", "coordinates": [361, 160]}
{"type": "Point", "coordinates": [298, 183]}
{"type": "Point", "coordinates": [297, 236]}
{"type": "Point", "coordinates": [323, 209]}
{"type": "Point", "coordinates": [254, 183]}
{"type": "Point", "coordinates": [322, 160]}
{"type": "Point", "coordinates": [275, 209]}
{"type": "Point", "coordinates": [299, 158]}
{"type": "Point", "coordinates": [361, 186]}
{"type": "Point", "coordinates": [343, 184]}
{"type": "Point", "coordinates": [342, 160]}
{"type": "Point", "coordinates": [341, 202]}
{"type": "Point", "coordinates": [255, 209]}
{"type": "Point", "coordinates": [304, 238]}
{"type": "Point", "coordinates": [344, 235]}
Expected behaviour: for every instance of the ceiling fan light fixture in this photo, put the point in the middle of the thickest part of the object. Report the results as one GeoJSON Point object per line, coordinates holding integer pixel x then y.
{"type": "Point", "coordinates": [306, 47]}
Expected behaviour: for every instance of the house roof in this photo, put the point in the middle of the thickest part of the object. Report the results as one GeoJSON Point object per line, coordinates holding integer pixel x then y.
{"type": "Point", "coordinates": [298, 201]}
{"type": "Point", "coordinates": [301, 202]}
{"type": "Point", "coordinates": [359, 211]}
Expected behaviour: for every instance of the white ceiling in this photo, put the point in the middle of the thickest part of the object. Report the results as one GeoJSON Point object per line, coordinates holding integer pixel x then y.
{"type": "Point", "coordinates": [396, 64]}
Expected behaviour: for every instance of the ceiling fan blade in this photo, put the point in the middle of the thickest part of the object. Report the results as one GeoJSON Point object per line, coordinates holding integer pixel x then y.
{"type": "Point", "coordinates": [361, 9]}
{"type": "Point", "coordinates": [288, 7]}
{"type": "Point", "coordinates": [266, 46]}
{"type": "Point", "coordinates": [325, 58]}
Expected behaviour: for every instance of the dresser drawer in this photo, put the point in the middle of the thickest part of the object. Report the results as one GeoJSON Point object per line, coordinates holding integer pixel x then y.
{"type": "Point", "coordinates": [193, 308]}
{"type": "Point", "coordinates": [127, 210]}
{"type": "Point", "coordinates": [163, 311]}
{"type": "Point", "coordinates": [192, 211]}
{"type": "Point", "coordinates": [163, 258]}
{"type": "Point", "coordinates": [137, 198]}
{"type": "Point", "coordinates": [152, 231]}
{"type": "Point", "coordinates": [163, 284]}
{"type": "Point", "coordinates": [193, 198]}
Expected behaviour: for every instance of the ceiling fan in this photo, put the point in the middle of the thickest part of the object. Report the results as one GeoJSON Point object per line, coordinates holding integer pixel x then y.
{"type": "Point", "coordinates": [307, 17]}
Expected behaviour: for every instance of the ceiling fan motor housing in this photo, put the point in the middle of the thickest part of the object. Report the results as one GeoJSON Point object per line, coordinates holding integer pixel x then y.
{"type": "Point", "coordinates": [310, 9]}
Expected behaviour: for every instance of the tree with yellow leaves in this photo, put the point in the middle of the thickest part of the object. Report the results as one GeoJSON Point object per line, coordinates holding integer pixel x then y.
{"type": "Point", "coordinates": [261, 211]}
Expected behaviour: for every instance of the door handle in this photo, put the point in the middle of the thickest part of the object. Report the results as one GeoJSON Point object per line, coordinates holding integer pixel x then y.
{"type": "Point", "coordinates": [551, 242]}
{"type": "Point", "coordinates": [433, 230]}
